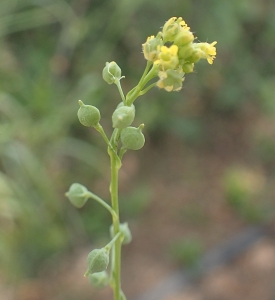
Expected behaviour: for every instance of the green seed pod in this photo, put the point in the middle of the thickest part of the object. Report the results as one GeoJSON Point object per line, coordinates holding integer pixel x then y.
{"type": "Point", "coordinates": [124, 229]}
{"type": "Point", "coordinates": [99, 280]}
{"type": "Point", "coordinates": [77, 195]}
{"type": "Point", "coordinates": [97, 261]}
{"type": "Point", "coordinates": [111, 72]}
{"type": "Point", "coordinates": [123, 116]}
{"type": "Point", "coordinates": [132, 138]}
{"type": "Point", "coordinates": [88, 115]}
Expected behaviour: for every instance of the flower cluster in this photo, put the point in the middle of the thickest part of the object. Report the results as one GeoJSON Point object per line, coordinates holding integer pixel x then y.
{"type": "Point", "coordinates": [174, 51]}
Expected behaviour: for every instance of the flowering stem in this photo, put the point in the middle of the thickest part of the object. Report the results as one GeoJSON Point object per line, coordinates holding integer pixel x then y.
{"type": "Point", "coordinates": [146, 77]}
{"type": "Point", "coordinates": [115, 166]}
{"type": "Point", "coordinates": [147, 89]}
{"type": "Point", "coordinates": [100, 129]}
{"type": "Point", "coordinates": [148, 65]}
{"type": "Point", "coordinates": [117, 82]}
{"type": "Point", "coordinates": [110, 244]}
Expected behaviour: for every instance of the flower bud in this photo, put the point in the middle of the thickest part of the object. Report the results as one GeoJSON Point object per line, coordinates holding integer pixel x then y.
{"type": "Point", "coordinates": [97, 261]}
{"type": "Point", "coordinates": [188, 68]}
{"type": "Point", "coordinates": [124, 229]}
{"type": "Point", "coordinates": [186, 51]}
{"type": "Point", "coordinates": [77, 195]}
{"type": "Point", "coordinates": [99, 280]}
{"type": "Point", "coordinates": [111, 72]}
{"type": "Point", "coordinates": [172, 27]}
{"type": "Point", "coordinates": [132, 138]}
{"type": "Point", "coordinates": [183, 37]}
{"type": "Point", "coordinates": [197, 55]}
{"type": "Point", "coordinates": [151, 47]}
{"type": "Point", "coordinates": [88, 115]}
{"type": "Point", "coordinates": [123, 116]}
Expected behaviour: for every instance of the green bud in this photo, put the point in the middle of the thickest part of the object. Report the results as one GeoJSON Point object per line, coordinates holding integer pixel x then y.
{"type": "Point", "coordinates": [111, 72]}
{"type": "Point", "coordinates": [77, 195]}
{"type": "Point", "coordinates": [186, 51]}
{"type": "Point", "coordinates": [132, 138]}
{"type": "Point", "coordinates": [88, 115]}
{"type": "Point", "coordinates": [196, 56]}
{"type": "Point", "coordinates": [151, 47]}
{"type": "Point", "coordinates": [99, 280]}
{"type": "Point", "coordinates": [124, 229]}
{"type": "Point", "coordinates": [123, 116]}
{"type": "Point", "coordinates": [188, 68]}
{"type": "Point", "coordinates": [97, 261]}
{"type": "Point", "coordinates": [183, 37]}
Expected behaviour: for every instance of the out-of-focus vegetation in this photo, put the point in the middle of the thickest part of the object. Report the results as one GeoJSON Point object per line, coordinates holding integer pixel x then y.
{"type": "Point", "coordinates": [52, 54]}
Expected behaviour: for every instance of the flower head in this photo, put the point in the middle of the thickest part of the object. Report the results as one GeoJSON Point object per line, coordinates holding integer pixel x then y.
{"type": "Point", "coordinates": [174, 53]}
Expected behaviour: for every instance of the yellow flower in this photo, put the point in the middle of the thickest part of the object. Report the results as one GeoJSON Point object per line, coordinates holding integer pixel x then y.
{"type": "Point", "coordinates": [168, 57]}
{"type": "Point", "coordinates": [209, 51]}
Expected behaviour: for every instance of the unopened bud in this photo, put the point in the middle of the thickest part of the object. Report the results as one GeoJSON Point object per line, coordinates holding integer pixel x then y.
{"type": "Point", "coordinates": [188, 68]}
{"type": "Point", "coordinates": [184, 37]}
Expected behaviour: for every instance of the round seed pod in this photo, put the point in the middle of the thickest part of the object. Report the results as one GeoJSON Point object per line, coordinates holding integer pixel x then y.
{"type": "Point", "coordinates": [123, 116]}
{"type": "Point", "coordinates": [111, 72]}
{"type": "Point", "coordinates": [77, 195]}
{"type": "Point", "coordinates": [88, 115]}
{"type": "Point", "coordinates": [97, 261]}
{"type": "Point", "coordinates": [124, 229]}
{"type": "Point", "coordinates": [99, 280]}
{"type": "Point", "coordinates": [132, 138]}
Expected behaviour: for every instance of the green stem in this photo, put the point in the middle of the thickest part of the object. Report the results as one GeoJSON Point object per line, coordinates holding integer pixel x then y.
{"type": "Point", "coordinates": [147, 89]}
{"type": "Point", "coordinates": [103, 203]}
{"type": "Point", "coordinates": [117, 82]}
{"type": "Point", "coordinates": [110, 244]}
{"type": "Point", "coordinates": [115, 166]}
{"type": "Point", "coordinates": [136, 92]}
{"type": "Point", "coordinates": [100, 129]}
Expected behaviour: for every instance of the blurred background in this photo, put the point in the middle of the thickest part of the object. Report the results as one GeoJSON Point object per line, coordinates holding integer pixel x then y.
{"type": "Point", "coordinates": [207, 170]}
